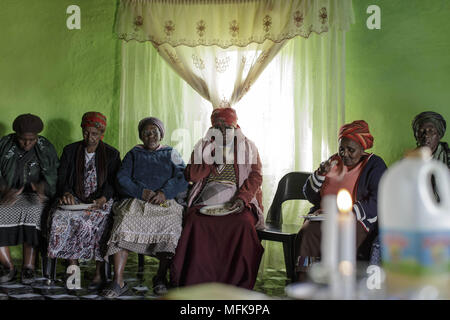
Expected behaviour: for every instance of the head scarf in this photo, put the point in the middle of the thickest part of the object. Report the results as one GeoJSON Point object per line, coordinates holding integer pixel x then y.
{"type": "Point", "coordinates": [227, 115]}
{"type": "Point", "coordinates": [429, 116]}
{"type": "Point", "coordinates": [151, 120]}
{"type": "Point", "coordinates": [28, 123]}
{"type": "Point", "coordinates": [357, 131]}
{"type": "Point", "coordinates": [95, 120]}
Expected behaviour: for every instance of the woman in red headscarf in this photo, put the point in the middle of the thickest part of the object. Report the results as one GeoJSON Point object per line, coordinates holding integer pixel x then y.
{"type": "Point", "coordinates": [224, 169]}
{"type": "Point", "coordinates": [86, 187]}
{"type": "Point", "coordinates": [353, 169]}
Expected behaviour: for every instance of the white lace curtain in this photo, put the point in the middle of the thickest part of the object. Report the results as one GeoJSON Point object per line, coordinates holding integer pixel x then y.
{"type": "Point", "coordinates": [292, 112]}
{"type": "Point", "coordinates": [220, 47]}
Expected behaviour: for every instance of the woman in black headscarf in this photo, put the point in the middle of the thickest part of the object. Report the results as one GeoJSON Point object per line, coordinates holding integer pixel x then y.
{"type": "Point", "coordinates": [28, 175]}
{"type": "Point", "coordinates": [429, 128]}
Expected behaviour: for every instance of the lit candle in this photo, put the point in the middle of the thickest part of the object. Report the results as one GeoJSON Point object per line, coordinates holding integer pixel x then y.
{"type": "Point", "coordinates": [347, 244]}
{"type": "Point", "coordinates": [329, 243]}
{"type": "Point", "coordinates": [329, 232]}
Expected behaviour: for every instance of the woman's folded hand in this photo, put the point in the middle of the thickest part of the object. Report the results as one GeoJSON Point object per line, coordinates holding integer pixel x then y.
{"type": "Point", "coordinates": [99, 203]}
{"type": "Point", "coordinates": [39, 188]}
{"type": "Point", "coordinates": [237, 203]}
{"type": "Point", "coordinates": [67, 199]}
{"type": "Point", "coordinates": [10, 196]}
{"type": "Point", "coordinates": [147, 195]}
{"type": "Point", "coordinates": [158, 198]}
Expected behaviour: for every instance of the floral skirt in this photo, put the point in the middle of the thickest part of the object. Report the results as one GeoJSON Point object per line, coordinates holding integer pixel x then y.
{"type": "Point", "coordinates": [79, 234]}
{"type": "Point", "coordinates": [145, 228]}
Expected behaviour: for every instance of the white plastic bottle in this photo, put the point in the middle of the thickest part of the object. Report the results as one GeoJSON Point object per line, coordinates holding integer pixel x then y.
{"type": "Point", "coordinates": [415, 228]}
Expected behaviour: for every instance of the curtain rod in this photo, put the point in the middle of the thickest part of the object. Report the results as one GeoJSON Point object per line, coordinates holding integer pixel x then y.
{"type": "Point", "coordinates": [195, 1]}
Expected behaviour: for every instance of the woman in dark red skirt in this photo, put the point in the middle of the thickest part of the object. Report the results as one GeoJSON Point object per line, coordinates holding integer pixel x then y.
{"type": "Point", "coordinates": [225, 168]}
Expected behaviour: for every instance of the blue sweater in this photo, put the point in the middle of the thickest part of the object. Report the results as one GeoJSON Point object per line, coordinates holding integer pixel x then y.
{"type": "Point", "coordinates": [162, 170]}
{"type": "Point", "coordinates": [365, 207]}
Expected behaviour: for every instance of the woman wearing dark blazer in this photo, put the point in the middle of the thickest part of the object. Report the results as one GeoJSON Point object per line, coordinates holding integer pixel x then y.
{"type": "Point", "coordinates": [86, 175]}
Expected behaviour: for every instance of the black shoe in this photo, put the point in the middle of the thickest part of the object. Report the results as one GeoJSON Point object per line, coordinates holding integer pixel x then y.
{"type": "Point", "coordinates": [159, 286]}
{"type": "Point", "coordinates": [95, 286]}
{"type": "Point", "coordinates": [27, 276]}
{"type": "Point", "coordinates": [8, 275]}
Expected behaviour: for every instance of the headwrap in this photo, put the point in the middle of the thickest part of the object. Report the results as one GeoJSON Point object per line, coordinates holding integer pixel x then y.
{"type": "Point", "coordinates": [358, 131]}
{"type": "Point", "coordinates": [94, 119]}
{"type": "Point", "coordinates": [28, 123]}
{"type": "Point", "coordinates": [228, 115]}
{"type": "Point", "coordinates": [151, 120]}
{"type": "Point", "coordinates": [429, 116]}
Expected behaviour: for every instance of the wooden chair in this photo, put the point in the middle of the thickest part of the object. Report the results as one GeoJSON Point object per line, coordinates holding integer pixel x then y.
{"type": "Point", "coordinates": [290, 187]}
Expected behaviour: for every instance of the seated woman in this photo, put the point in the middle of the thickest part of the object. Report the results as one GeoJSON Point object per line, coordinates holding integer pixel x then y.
{"type": "Point", "coordinates": [149, 220]}
{"type": "Point", "coordinates": [353, 169]}
{"type": "Point", "coordinates": [429, 128]}
{"type": "Point", "coordinates": [86, 175]}
{"type": "Point", "coordinates": [28, 174]}
{"type": "Point", "coordinates": [222, 248]}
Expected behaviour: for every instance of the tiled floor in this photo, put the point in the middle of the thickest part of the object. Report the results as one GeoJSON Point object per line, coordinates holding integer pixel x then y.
{"type": "Point", "coordinates": [270, 282]}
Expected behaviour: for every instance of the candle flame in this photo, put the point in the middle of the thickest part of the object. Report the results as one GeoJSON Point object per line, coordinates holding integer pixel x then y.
{"type": "Point", "coordinates": [344, 200]}
{"type": "Point", "coordinates": [346, 268]}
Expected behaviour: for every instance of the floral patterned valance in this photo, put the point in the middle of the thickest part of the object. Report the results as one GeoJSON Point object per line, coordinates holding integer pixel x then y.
{"type": "Point", "coordinates": [228, 23]}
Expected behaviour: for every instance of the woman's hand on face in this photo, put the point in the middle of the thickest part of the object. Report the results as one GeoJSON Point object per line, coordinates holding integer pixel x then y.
{"type": "Point", "coordinates": [326, 166]}
{"type": "Point", "coordinates": [10, 196]}
{"type": "Point", "coordinates": [147, 195]}
{"type": "Point", "coordinates": [158, 198]}
{"type": "Point", "coordinates": [67, 199]}
{"type": "Point", "coordinates": [237, 203]}
{"type": "Point", "coordinates": [98, 203]}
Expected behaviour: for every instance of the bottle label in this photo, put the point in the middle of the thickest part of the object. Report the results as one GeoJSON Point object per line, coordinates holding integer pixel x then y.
{"type": "Point", "coordinates": [415, 253]}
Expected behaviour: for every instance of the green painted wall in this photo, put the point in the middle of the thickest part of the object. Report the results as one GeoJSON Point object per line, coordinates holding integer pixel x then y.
{"type": "Point", "coordinates": [398, 71]}
{"type": "Point", "coordinates": [57, 73]}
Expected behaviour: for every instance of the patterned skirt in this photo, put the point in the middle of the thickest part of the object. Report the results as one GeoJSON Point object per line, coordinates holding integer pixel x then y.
{"type": "Point", "coordinates": [145, 228]}
{"type": "Point", "coordinates": [21, 222]}
{"type": "Point", "coordinates": [79, 234]}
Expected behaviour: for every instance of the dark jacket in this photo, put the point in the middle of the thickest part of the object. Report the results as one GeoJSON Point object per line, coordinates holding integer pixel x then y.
{"type": "Point", "coordinates": [161, 169]}
{"type": "Point", "coordinates": [47, 168]}
{"type": "Point", "coordinates": [67, 171]}
{"type": "Point", "coordinates": [365, 207]}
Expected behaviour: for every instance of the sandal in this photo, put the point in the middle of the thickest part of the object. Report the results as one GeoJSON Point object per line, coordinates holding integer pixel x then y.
{"type": "Point", "coordinates": [8, 275]}
{"type": "Point", "coordinates": [114, 290]}
{"type": "Point", "coordinates": [159, 286]}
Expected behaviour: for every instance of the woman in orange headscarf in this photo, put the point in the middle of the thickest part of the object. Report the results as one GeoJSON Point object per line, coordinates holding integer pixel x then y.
{"type": "Point", "coordinates": [353, 169]}
{"type": "Point", "coordinates": [225, 168]}
{"type": "Point", "coordinates": [86, 176]}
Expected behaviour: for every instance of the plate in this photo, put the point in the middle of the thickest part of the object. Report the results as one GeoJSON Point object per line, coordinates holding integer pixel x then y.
{"type": "Point", "coordinates": [313, 217]}
{"type": "Point", "coordinates": [301, 291]}
{"type": "Point", "coordinates": [81, 206]}
{"type": "Point", "coordinates": [207, 210]}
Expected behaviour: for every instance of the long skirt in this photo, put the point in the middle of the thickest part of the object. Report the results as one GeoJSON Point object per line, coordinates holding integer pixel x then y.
{"type": "Point", "coordinates": [21, 222]}
{"type": "Point", "coordinates": [308, 243]}
{"type": "Point", "coordinates": [222, 249]}
{"type": "Point", "coordinates": [79, 234]}
{"type": "Point", "coordinates": [145, 228]}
